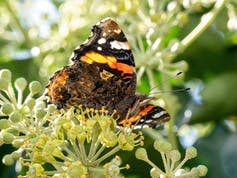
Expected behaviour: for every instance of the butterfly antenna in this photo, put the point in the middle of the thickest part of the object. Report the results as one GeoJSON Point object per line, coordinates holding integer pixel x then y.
{"type": "Point", "coordinates": [172, 91]}
{"type": "Point", "coordinates": [167, 80]}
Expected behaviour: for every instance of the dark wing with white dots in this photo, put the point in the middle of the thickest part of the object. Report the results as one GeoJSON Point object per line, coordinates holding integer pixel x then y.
{"type": "Point", "coordinates": [108, 39]}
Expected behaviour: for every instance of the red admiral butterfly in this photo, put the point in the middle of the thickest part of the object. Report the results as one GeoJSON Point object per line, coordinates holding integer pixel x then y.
{"type": "Point", "coordinates": [103, 75]}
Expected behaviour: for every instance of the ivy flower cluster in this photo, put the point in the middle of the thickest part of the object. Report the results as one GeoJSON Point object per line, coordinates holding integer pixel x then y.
{"type": "Point", "coordinates": [172, 162]}
{"type": "Point", "coordinates": [75, 142]}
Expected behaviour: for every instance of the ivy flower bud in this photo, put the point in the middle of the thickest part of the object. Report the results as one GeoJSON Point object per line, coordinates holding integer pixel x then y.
{"type": "Point", "coordinates": [15, 116]}
{"type": "Point", "coordinates": [173, 6]}
{"type": "Point", "coordinates": [95, 131]}
{"type": "Point", "coordinates": [5, 74]}
{"type": "Point", "coordinates": [76, 169]}
{"type": "Point", "coordinates": [4, 84]}
{"type": "Point", "coordinates": [4, 124]}
{"type": "Point", "coordinates": [112, 170]}
{"type": "Point", "coordinates": [195, 172]}
{"type": "Point", "coordinates": [117, 160]}
{"type": "Point", "coordinates": [162, 146]}
{"type": "Point", "coordinates": [35, 87]}
{"type": "Point", "coordinates": [51, 108]}
{"type": "Point", "coordinates": [182, 18]}
{"type": "Point", "coordinates": [17, 142]}
{"type": "Point", "coordinates": [141, 154]}
{"type": "Point", "coordinates": [108, 138]}
{"type": "Point", "coordinates": [7, 108]}
{"type": "Point", "coordinates": [40, 105]}
{"type": "Point", "coordinates": [76, 132]}
{"type": "Point", "coordinates": [30, 103]}
{"type": "Point", "coordinates": [8, 160]}
{"type": "Point", "coordinates": [13, 131]}
{"type": "Point", "coordinates": [20, 84]}
{"type": "Point", "coordinates": [191, 152]}
{"type": "Point", "coordinates": [16, 155]}
{"type": "Point", "coordinates": [175, 155]}
{"type": "Point", "coordinates": [91, 123]}
{"type": "Point", "coordinates": [40, 113]}
{"type": "Point", "coordinates": [154, 173]}
{"type": "Point", "coordinates": [126, 141]}
{"type": "Point", "coordinates": [202, 170]}
{"type": "Point", "coordinates": [7, 137]}
{"type": "Point", "coordinates": [157, 144]}
{"type": "Point", "coordinates": [106, 122]}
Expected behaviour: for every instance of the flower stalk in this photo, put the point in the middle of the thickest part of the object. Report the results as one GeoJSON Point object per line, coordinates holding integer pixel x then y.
{"type": "Point", "coordinates": [171, 158]}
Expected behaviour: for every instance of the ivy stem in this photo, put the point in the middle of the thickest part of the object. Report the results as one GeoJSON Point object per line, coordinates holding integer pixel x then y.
{"type": "Point", "coordinates": [112, 152]}
{"type": "Point", "coordinates": [164, 161]}
{"type": "Point", "coordinates": [93, 146]}
{"type": "Point", "coordinates": [167, 87]}
{"type": "Point", "coordinates": [140, 72]}
{"type": "Point", "coordinates": [19, 97]}
{"type": "Point", "coordinates": [154, 166]}
{"type": "Point", "coordinates": [18, 24]}
{"type": "Point", "coordinates": [4, 99]}
{"type": "Point", "coordinates": [206, 20]}
{"type": "Point", "coordinates": [101, 149]}
{"type": "Point", "coordinates": [180, 164]}
{"type": "Point", "coordinates": [151, 78]}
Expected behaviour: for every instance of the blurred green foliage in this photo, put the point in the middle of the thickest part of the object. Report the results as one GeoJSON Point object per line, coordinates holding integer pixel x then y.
{"type": "Point", "coordinates": [38, 37]}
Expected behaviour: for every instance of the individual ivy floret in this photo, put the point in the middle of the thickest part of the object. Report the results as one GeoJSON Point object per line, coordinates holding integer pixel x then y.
{"type": "Point", "coordinates": [171, 161]}
{"type": "Point", "coordinates": [112, 169]}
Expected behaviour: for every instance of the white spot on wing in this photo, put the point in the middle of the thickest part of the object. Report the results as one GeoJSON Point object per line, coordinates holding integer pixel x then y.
{"type": "Point", "coordinates": [142, 120]}
{"type": "Point", "coordinates": [148, 121]}
{"type": "Point", "coordinates": [119, 45]}
{"type": "Point", "coordinates": [86, 41]}
{"type": "Point", "coordinates": [72, 55]}
{"type": "Point", "coordinates": [101, 41]}
{"type": "Point", "coordinates": [99, 48]}
{"type": "Point", "coordinates": [78, 47]}
{"type": "Point", "coordinates": [157, 115]}
{"type": "Point", "coordinates": [141, 126]}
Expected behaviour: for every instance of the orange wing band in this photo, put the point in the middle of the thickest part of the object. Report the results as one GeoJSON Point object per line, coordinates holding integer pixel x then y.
{"type": "Point", "coordinates": [91, 57]}
{"type": "Point", "coordinates": [136, 118]}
